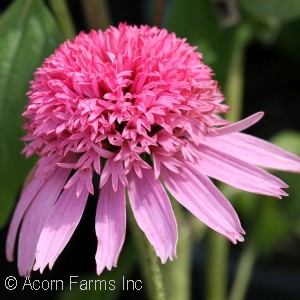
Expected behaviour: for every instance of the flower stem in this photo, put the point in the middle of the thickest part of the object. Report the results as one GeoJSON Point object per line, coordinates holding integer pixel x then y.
{"type": "Point", "coordinates": [243, 273]}
{"type": "Point", "coordinates": [234, 93]}
{"type": "Point", "coordinates": [218, 246]}
{"type": "Point", "coordinates": [178, 273]}
{"type": "Point", "coordinates": [234, 85]}
{"type": "Point", "coordinates": [148, 262]}
{"type": "Point", "coordinates": [217, 258]}
{"type": "Point", "coordinates": [64, 19]}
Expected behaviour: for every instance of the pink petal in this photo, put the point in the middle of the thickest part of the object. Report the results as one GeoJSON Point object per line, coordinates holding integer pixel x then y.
{"type": "Point", "coordinates": [153, 212]}
{"type": "Point", "coordinates": [114, 169]}
{"type": "Point", "coordinates": [238, 126]}
{"type": "Point", "coordinates": [36, 217]}
{"type": "Point", "coordinates": [198, 194]}
{"type": "Point", "coordinates": [256, 151]}
{"type": "Point", "coordinates": [110, 225]}
{"type": "Point", "coordinates": [60, 226]}
{"type": "Point", "coordinates": [26, 198]}
{"type": "Point", "coordinates": [237, 173]}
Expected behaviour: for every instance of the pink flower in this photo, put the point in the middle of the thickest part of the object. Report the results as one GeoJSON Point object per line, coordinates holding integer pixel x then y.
{"type": "Point", "coordinates": [137, 108]}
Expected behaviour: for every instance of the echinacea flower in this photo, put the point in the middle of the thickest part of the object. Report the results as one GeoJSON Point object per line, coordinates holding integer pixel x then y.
{"type": "Point", "coordinates": [136, 107]}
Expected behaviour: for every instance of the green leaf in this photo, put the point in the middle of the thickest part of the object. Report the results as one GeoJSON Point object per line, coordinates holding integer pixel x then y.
{"type": "Point", "coordinates": [281, 10]}
{"type": "Point", "coordinates": [28, 34]}
{"type": "Point", "coordinates": [106, 286]}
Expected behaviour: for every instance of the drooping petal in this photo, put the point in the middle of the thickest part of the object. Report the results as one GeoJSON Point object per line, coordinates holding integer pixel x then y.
{"type": "Point", "coordinates": [256, 151]}
{"type": "Point", "coordinates": [36, 217]}
{"type": "Point", "coordinates": [110, 225]}
{"type": "Point", "coordinates": [237, 173]}
{"type": "Point", "coordinates": [238, 126]}
{"type": "Point", "coordinates": [28, 194]}
{"type": "Point", "coordinates": [199, 195]}
{"type": "Point", "coordinates": [60, 226]}
{"type": "Point", "coordinates": [153, 212]}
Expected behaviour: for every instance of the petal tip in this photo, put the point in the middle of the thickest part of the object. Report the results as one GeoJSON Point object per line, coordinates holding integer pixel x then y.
{"type": "Point", "coordinates": [100, 269]}
{"type": "Point", "coordinates": [9, 256]}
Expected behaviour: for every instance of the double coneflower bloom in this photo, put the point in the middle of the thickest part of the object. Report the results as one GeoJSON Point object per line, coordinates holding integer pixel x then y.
{"type": "Point", "coordinates": [136, 107]}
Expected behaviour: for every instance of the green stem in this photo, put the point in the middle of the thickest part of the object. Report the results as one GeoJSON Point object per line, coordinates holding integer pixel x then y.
{"type": "Point", "coordinates": [218, 246]}
{"type": "Point", "coordinates": [234, 87]}
{"type": "Point", "coordinates": [178, 272]}
{"type": "Point", "coordinates": [148, 262]}
{"type": "Point", "coordinates": [64, 19]}
{"type": "Point", "coordinates": [217, 258]}
{"type": "Point", "coordinates": [243, 274]}
{"type": "Point", "coordinates": [234, 93]}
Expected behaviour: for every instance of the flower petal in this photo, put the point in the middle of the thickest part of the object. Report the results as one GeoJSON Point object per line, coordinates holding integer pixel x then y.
{"type": "Point", "coordinates": [60, 226]}
{"type": "Point", "coordinates": [110, 225]}
{"type": "Point", "coordinates": [237, 173]}
{"type": "Point", "coordinates": [199, 195]}
{"type": "Point", "coordinates": [256, 151]}
{"type": "Point", "coordinates": [36, 217]}
{"type": "Point", "coordinates": [153, 212]}
{"type": "Point", "coordinates": [28, 194]}
{"type": "Point", "coordinates": [238, 126]}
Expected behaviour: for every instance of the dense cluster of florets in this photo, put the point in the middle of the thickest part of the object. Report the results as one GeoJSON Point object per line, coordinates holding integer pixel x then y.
{"type": "Point", "coordinates": [120, 94]}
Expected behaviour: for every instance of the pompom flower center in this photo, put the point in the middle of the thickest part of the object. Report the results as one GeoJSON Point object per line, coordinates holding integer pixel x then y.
{"type": "Point", "coordinates": [122, 93]}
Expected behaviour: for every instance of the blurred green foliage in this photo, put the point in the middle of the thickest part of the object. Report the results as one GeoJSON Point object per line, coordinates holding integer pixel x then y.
{"type": "Point", "coordinates": [28, 34]}
{"type": "Point", "coordinates": [198, 21]}
{"type": "Point", "coordinates": [269, 220]}
{"type": "Point", "coordinates": [282, 11]}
